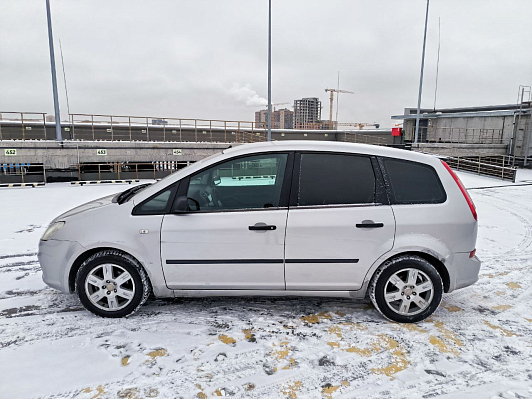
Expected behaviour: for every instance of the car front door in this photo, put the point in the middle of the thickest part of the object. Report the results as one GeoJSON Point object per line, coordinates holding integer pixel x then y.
{"type": "Point", "coordinates": [337, 226]}
{"type": "Point", "coordinates": [232, 236]}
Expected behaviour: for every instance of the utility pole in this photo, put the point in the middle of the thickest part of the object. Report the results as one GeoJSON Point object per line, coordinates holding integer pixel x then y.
{"type": "Point", "coordinates": [269, 70]}
{"type": "Point", "coordinates": [54, 78]}
{"type": "Point", "coordinates": [421, 75]}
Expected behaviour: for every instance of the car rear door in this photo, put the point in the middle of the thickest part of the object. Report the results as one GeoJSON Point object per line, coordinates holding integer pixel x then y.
{"type": "Point", "coordinates": [338, 221]}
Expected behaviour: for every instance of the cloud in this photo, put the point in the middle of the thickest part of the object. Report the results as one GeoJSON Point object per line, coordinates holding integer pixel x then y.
{"type": "Point", "coordinates": [246, 95]}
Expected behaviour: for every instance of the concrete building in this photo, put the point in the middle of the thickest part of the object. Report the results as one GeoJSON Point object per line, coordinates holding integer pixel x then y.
{"type": "Point", "coordinates": [307, 113]}
{"type": "Point", "coordinates": [281, 118]}
{"type": "Point", "coordinates": [261, 118]}
{"type": "Point", "coordinates": [495, 129]}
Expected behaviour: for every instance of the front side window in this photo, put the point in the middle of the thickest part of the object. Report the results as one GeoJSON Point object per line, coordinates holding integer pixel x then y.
{"type": "Point", "coordinates": [252, 182]}
{"type": "Point", "coordinates": [413, 183]}
{"type": "Point", "coordinates": [156, 205]}
{"type": "Point", "coordinates": [335, 179]}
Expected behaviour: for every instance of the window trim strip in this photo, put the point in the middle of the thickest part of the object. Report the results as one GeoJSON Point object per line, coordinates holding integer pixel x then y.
{"type": "Point", "coordinates": [332, 206]}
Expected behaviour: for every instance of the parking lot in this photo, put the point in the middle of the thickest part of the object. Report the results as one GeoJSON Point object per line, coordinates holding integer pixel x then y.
{"type": "Point", "coordinates": [477, 344]}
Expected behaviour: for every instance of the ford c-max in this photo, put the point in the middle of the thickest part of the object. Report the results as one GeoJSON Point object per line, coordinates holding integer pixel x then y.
{"type": "Point", "coordinates": [291, 218]}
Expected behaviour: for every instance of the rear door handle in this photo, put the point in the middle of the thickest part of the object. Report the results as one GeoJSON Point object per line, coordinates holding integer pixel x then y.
{"type": "Point", "coordinates": [262, 226]}
{"type": "Point", "coordinates": [369, 224]}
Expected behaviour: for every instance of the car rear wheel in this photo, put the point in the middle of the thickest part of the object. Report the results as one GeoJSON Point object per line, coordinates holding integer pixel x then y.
{"type": "Point", "coordinates": [406, 289]}
{"type": "Point", "coordinates": [112, 284]}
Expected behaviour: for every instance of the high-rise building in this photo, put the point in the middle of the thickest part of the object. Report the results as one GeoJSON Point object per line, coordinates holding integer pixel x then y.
{"type": "Point", "coordinates": [261, 118]}
{"type": "Point", "coordinates": [307, 113]}
{"type": "Point", "coordinates": [281, 119]}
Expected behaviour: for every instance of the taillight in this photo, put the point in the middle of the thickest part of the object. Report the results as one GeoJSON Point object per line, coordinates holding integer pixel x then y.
{"type": "Point", "coordinates": [472, 253]}
{"type": "Point", "coordinates": [463, 190]}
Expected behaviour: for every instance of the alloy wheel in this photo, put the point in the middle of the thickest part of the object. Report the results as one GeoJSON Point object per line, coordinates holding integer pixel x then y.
{"type": "Point", "coordinates": [109, 287]}
{"type": "Point", "coordinates": [408, 291]}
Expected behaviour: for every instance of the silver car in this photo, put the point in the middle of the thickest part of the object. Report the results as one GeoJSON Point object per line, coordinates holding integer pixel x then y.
{"type": "Point", "coordinates": [291, 218]}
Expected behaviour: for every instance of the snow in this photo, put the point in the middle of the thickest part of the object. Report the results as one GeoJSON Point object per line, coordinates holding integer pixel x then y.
{"type": "Point", "coordinates": [478, 343]}
{"type": "Point", "coordinates": [472, 180]}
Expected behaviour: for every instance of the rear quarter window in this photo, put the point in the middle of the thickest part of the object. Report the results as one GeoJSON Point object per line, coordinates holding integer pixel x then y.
{"type": "Point", "coordinates": [413, 183]}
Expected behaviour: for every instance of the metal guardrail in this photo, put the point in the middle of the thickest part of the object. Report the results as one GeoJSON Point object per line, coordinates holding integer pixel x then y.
{"type": "Point", "coordinates": [94, 127]}
{"type": "Point", "coordinates": [128, 170]}
{"type": "Point", "coordinates": [32, 124]}
{"type": "Point", "coordinates": [483, 166]}
{"type": "Point", "coordinates": [23, 172]}
{"type": "Point", "coordinates": [460, 135]}
{"type": "Point", "coordinates": [124, 127]}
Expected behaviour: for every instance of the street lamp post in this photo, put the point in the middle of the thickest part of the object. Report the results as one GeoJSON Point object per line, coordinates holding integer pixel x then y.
{"type": "Point", "coordinates": [58, 136]}
{"type": "Point", "coordinates": [416, 137]}
{"type": "Point", "coordinates": [269, 70]}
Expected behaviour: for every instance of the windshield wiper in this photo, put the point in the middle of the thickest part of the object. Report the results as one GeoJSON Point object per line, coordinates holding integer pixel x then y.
{"type": "Point", "coordinates": [130, 192]}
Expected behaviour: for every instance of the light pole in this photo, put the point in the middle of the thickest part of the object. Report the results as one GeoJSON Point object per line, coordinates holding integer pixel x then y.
{"type": "Point", "coordinates": [421, 76]}
{"type": "Point", "coordinates": [54, 78]}
{"type": "Point", "coordinates": [269, 70]}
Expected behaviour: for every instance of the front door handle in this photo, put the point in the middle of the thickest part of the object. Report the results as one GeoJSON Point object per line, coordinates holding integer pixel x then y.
{"type": "Point", "coordinates": [262, 226]}
{"type": "Point", "coordinates": [369, 224]}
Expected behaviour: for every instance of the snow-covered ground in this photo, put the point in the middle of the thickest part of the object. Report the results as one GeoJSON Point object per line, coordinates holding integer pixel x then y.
{"type": "Point", "coordinates": [477, 345]}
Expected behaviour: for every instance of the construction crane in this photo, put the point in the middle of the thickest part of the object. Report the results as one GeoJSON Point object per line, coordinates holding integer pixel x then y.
{"type": "Point", "coordinates": [360, 125]}
{"type": "Point", "coordinates": [332, 100]}
{"type": "Point", "coordinates": [273, 105]}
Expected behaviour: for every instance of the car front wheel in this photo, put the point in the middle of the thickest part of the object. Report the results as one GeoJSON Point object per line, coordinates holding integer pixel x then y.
{"type": "Point", "coordinates": [406, 289]}
{"type": "Point", "coordinates": [112, 284]}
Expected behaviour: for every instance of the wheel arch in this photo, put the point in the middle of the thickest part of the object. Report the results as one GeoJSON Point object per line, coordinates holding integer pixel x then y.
{"type": "Point", "coordinates": [433, 260]}
{"type": "Point", "coordinates": [86, 255]}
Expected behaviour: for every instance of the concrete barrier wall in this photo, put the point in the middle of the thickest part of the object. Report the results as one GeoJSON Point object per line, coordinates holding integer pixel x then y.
{"type": "Point", "coordinates": [56, 156]}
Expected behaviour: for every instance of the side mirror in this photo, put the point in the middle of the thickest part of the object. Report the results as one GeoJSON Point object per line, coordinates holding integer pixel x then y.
{"type": "Point", "coordinates": [182, 205]}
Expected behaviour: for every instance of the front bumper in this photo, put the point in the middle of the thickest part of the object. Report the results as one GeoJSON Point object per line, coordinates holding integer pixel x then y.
{"type": "Point", "coordinates": [56, 258]}
{"type": "Point", "coordinates": [464, 271]}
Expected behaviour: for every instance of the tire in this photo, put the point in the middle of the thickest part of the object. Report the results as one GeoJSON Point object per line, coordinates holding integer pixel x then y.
{"type": "Point", "coordinates": [112, 284]}
{"type": "Point", "coordinates": [400, 300]}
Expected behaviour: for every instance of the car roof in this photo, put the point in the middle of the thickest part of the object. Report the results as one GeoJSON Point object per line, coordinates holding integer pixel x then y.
{"type": "Point", "coordinates": [332, 146]}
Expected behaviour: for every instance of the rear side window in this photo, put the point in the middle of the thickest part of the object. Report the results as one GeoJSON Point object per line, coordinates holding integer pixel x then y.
{"type": "Point", "coordinates": [413, 183]}
{"type": "Point", "coordinates": [335, 179]}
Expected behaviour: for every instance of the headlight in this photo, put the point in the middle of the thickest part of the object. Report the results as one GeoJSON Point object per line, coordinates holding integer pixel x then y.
{"type": "Point", "coordinates": [51, 230]}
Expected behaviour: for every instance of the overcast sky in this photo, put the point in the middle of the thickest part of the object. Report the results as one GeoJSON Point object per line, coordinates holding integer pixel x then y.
{"type": "Point", "coordinates": [208, 59]}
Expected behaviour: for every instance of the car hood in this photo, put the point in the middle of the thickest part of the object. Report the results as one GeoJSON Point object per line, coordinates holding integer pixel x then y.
{"type": "Point", "coordinates": [100, 202]}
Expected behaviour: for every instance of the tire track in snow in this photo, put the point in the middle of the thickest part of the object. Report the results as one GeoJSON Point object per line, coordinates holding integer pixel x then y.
{"type": "Point", "coordinates": [526, 242]}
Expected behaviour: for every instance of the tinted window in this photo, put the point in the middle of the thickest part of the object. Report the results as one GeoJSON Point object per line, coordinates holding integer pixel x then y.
{"type": "Point", "coordinates": [155, 205]}
{"type": "Point", "coordinates": [413, 182]}
{"type": "Point", "coordinates": [328, 179]}
{"type": "Point", "coordinates": [252, 182]}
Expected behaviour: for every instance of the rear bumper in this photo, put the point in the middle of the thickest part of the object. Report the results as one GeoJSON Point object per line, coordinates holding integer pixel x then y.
{"type": "Point", "coordinates": [55, 258]}
{"type": "Point", "coordinates": [463, 271]}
